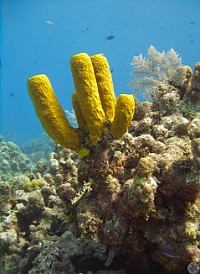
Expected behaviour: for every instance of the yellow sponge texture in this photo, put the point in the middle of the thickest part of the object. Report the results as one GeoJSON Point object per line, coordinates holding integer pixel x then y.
{"type": "Point", "coordinates": [105, 85]}
{"type": "Point", "coordinates": [123, 115]}
{"type": "Point", "coordinates": [51, 114]}
{"type": "Point", "coordinates": [94, 104]}
{"type": "Point", "coordinates": [88, 95]}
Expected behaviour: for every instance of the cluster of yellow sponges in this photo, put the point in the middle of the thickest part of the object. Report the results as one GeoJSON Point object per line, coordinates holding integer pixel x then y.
{"type": "Point", "coordinates": [94, 103]}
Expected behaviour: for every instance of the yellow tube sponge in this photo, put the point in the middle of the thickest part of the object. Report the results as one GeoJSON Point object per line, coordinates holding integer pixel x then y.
{"type": "Point", "coordinates": [88, 95]}
{"type": "Point", "coordinates": [123, 115]}
{"type": "Point", "coordinates": [79, 115]}
{"type": "Point", "coordinates": [105, 85]}
{"type": "Point", "coordinates": [51, 114]}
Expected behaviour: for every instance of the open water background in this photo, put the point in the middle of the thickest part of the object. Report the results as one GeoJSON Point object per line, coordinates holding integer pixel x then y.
{"type": "Point", "coordinates": [40, 36]}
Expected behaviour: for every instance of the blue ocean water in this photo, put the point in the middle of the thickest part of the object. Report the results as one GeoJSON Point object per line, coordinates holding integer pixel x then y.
{"type": "Point", "coordinates": [41, 36]}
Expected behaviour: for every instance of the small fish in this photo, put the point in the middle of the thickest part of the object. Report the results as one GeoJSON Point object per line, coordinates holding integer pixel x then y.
{"type": "Point", "coordinates": [87, 29]}
{"type": "Point", "coordinates": [110, 37]}
{"type": "Point", "coordinates": [12, 94]}
{"type": "Point", "coordinates": [111, 70]}
{"type": "Point", "coordinates": [192, 23]}
{"type": "Point", "coordinates": [169, 252]}
{"type": "Point", "coordinates": [49, 22]}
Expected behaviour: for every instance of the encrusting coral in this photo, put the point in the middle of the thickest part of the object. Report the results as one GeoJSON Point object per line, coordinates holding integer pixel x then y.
{"type": "Point", "coordinates": [94, 103]}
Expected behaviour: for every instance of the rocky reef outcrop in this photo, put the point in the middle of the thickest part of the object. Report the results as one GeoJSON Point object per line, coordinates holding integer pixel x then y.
{"type": "Point", "coordinates": [12, 161]}
{"type": "Point", "coordinates": [141, 193]}
{"type": "Point", "coordinates": [136, 200]}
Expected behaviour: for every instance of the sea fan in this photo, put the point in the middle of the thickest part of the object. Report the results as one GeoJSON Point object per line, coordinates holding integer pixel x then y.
{"type": "Point", "coordinates": [157, 68]}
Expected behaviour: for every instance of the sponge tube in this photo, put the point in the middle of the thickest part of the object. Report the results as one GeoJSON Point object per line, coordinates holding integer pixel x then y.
{"type": "Point", "coordinates": [51, 114]}
{"type": "Point", "coordinates": [88, 95]}
{"type": "Point", "coordinates": [123, 115]}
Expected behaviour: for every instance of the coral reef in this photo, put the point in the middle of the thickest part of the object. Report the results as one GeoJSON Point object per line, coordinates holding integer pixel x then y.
{"type": "Point", "coordinates": [142, 192]}
{"type": "Point", "coordinates": [38, 234]}
{"type": "Point", "coordinates": [12, 161]}
{"type": "Point", "coordinates": [135, 199]}
{"type": "Point", "coordinates": [38, 149]}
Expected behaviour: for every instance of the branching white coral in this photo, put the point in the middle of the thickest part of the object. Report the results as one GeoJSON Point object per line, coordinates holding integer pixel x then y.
{"type": "Point", "coordinates": [157, 68]}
